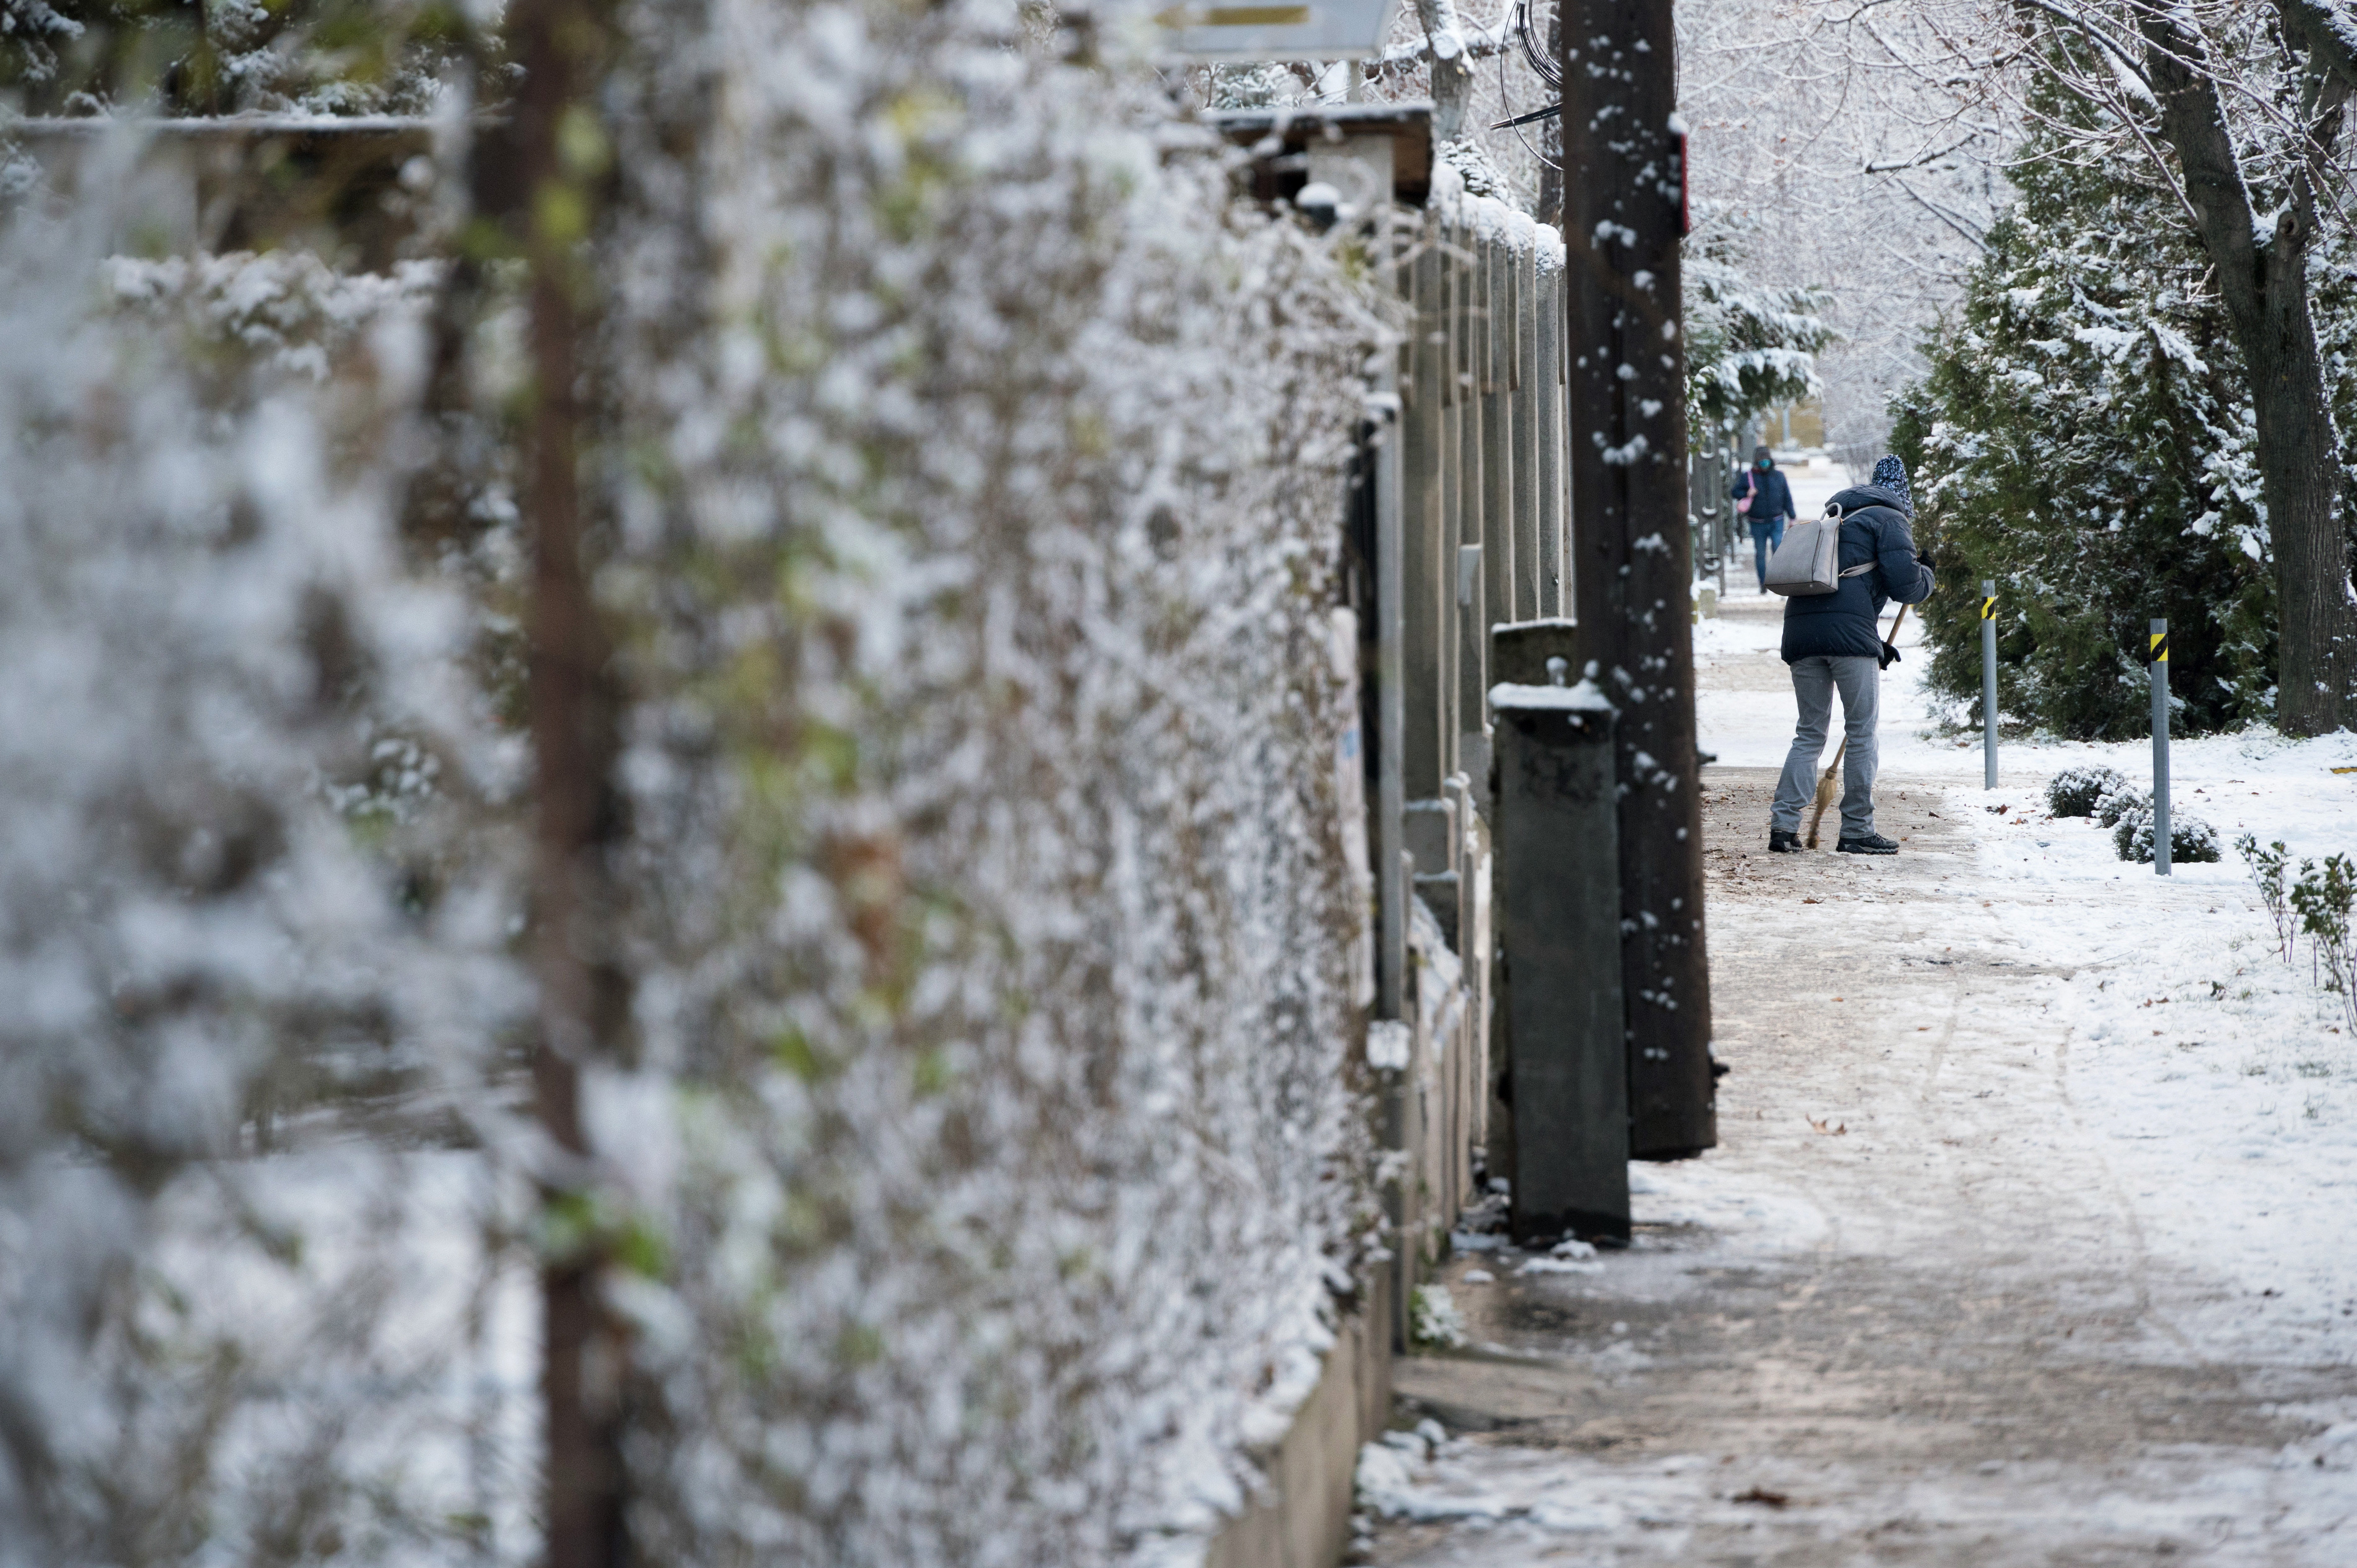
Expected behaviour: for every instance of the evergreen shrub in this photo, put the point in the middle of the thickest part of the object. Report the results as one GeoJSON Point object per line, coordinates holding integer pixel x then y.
{"type": "Point", "coordinates": [2074, 791]}
{"type": "Point", "coordinates": [2084, 436]}
{"type": "Point", "coordinates": [2190, 839]}
{"type": "Point", "coordinates": [1750, 346]}
{"type": "Point", "coordinates": [2124, 800]}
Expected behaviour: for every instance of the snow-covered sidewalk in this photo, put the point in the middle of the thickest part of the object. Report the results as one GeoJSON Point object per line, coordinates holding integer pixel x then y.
{"type": "Point", "coordinates": [2030, 1237]}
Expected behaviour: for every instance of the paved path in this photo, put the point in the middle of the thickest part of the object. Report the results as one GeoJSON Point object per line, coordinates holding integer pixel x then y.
{"type": "Point", "coordinates": [1907, 1312]}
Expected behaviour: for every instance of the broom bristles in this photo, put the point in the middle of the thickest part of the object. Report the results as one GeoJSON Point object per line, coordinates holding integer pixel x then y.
{"type": "Point", "coordinates": [1825, 791]}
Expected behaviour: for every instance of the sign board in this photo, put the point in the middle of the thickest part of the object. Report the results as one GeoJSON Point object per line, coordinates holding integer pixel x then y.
{"type": "Point", "coordinates": [1312, 31]}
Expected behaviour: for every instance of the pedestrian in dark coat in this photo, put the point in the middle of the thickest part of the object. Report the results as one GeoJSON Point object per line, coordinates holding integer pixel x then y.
{"type": "Point", "coordinates": [1833, 642]}
{"type": "Point", "coordinates": [1771, 505]}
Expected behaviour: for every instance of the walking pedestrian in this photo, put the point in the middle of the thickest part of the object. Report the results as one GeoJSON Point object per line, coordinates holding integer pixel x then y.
{"type": "Point", "coordinates": [1764, 498]}
{"type": "Point", "coordinates": [1834, 643]}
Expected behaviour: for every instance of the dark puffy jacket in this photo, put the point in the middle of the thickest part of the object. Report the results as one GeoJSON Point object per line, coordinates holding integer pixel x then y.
{"type": "Point", "coordinates": [1849, 620]}
{"type": "Point", "coordinates": [1775, 496]}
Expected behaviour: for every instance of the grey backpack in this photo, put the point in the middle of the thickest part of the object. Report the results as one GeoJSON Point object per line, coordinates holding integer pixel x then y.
{"type": "Point", "coordinates": [1809, 560]}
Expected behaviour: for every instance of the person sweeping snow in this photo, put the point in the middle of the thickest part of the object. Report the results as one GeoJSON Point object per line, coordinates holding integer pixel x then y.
{"type": "Point", "coordinates": [1832, 641]}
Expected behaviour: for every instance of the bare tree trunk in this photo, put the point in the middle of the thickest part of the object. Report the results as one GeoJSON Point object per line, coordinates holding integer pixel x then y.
{"type": "Point", "coordinates": [1452, 69]}
{"type": "Point", "coordinates": [574, 709]}
{"type": "Point", "coordinates": [1624, 219]}
{"type": "Point", "coordinates": [2263, 282]}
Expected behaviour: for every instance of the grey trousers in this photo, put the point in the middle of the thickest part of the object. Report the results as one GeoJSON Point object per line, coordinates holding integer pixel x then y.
{"type": "Point", "coordinates": [1815, 681]}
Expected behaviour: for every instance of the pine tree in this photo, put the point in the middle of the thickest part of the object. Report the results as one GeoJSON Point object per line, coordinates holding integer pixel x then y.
{"type": "Point", "coordinates": [1750, 346]}
{"type": "Point", "coordinates": [2085, 437]}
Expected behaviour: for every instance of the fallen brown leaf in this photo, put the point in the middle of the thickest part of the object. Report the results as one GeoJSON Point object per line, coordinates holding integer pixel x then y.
{"type": "Point", "coordinates": [1762, 1495]}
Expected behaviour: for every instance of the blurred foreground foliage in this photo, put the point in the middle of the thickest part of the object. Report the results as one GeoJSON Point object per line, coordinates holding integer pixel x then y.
{"type": "Point", "coordinates": [188, 57]}
{"type": "Point", "coordinates": [962, 473]}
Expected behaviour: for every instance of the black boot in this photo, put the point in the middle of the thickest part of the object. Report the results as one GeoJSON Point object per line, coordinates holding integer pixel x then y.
{"type": "Point", "coordinates": [1868, 843]}
{"type": "Point", "coordinates": [1782, 841]}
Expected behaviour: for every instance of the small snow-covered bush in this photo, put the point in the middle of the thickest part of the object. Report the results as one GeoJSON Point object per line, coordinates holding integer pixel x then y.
{"type": "Point", "coordinates": [1435, 1318]}
{"type": "Point", "coordinates": [2190, 838]}
{"type": "Point", "coordinates": [2192, 842]}
{"type": "Point", "coordinates": [1385, 1481]}
{"type": "Point", "coordinates": [2074, 791]}
{"type": "Point", "coordinates": [2124, 800]}
{"type": "Point", "coordinates": [2267, 868]}
{"type": "Point", "coordinates": [2323, 897]}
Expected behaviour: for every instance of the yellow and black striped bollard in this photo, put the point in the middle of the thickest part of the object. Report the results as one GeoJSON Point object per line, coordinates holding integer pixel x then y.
{"type": "Point", "coordinates": [2156, 656]}
{"type": "Point", "coordinates": [1988, 683]}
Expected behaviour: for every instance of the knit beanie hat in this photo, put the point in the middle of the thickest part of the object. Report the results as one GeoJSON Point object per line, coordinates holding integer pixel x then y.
{"type": "Point", "coordinates": [1890, 474]}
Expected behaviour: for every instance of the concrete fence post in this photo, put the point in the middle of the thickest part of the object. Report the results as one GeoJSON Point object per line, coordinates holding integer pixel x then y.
{"type": "Point", "coordinates": [1530, 574]}
{"type": "Point", "coordinates": [1473, 451]}
{"type": "Point", "coordinates": [1448, 478]}
{"type": "Point", "coordinates": [1552, 592]}
{"type": "Point", "coordinates": [1476, 949]}
{"type": "Point", "coordinates": [1558, 928]}
{"type": "Point", "coordinates": [1496, 458]}
{"type": "Point", "coordinates": [1424, 608]}
{"type": "Point", "coordinates": [2160, 659]}
{"type": "Point", "coordinates": [1392, 588]}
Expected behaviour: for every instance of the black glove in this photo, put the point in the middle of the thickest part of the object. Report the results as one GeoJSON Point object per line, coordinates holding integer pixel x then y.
{"type": "Point", "coordinates": [1925, 560]}
{"type": "Point", "coordinates": [1889, 655]}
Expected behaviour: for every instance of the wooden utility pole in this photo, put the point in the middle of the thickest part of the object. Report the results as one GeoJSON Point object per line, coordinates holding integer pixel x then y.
{"type": "Point", "coordinates": [558, 156]}
{"type": "Point", "coordinates": [1623, 217]}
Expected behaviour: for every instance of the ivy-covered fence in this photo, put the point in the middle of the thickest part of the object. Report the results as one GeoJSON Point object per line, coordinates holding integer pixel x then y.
{"type": "Point", "coordinates": [989, 1148]}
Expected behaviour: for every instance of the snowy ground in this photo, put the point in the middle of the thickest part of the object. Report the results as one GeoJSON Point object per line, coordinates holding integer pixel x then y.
{"type": "Point", "coordinates": [2031, 1234]}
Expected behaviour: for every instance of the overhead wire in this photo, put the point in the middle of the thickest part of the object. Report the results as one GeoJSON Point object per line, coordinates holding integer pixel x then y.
{"type": "Point", "coordinates": [1546, 69]}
